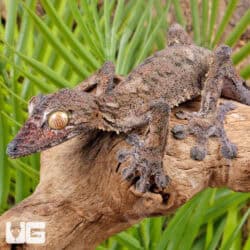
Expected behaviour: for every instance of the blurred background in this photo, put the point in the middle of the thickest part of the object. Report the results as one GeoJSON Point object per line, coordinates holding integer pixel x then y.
{"type": "Point", "coordinates": [51, 44]}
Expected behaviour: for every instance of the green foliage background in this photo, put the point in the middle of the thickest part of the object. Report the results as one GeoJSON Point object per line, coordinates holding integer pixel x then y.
{"type": "Point", "coordinates": [67, 42]}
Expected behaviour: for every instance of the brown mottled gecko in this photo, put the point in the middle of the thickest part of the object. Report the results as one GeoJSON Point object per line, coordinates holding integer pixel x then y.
{"type": "Point", "coordinates": [143, 99]}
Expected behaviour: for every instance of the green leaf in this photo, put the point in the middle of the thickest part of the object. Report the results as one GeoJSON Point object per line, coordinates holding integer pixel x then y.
{"type": "Point", "coordinates": [195, 221]}
{"type": "Point", "coordinates": [212, 21]}
{"type": "Point", "coordinates": [232, 237]}
{"type": "Point", "coordinates": [173, 234]}
{"type": "Point", "coordinates": [10, 25]}
{"type": "Point", "coordinates": [210, 224]}
{"type": "Point", "coordinates": [241, 54]}
{"type": "Point", "coordinates": [195, 20]}
{"type": "Point", "coordinates": [239, 29]}
{"type": "Point", "coordinates": [45, 71]}
{"type": "Point", "coordinates": [69, 36]}
{"type": "Point", "coordinates": [145, 233]}
{"type": "Point", "coordinates": [86, 32]}
{"type": "Point", "coordinates": [179, 14]}
{"type": "Point", "coordinates": [217, 235]}
{"type": "Point", "coordinates": [25, 32]}
{"type": "Point", "coordinates": [128, 60]}
{"type": "Point", "coordinates": [4, 170]}
{"type": "Point", "coordinates": [245, 72]}
{"type": "Point", "coordinates": [12, 93]}
{"type": "Point", "coordinates": [225, 20]}
{"type": "Point", "coordinates": [146, 48]}
{"type": "Point", "coordinates": [127, 240]}
{"type": "Point", "coordinates": [155, 231]}
{"type": "Point", "coordinates": [231, 223]}
{"type": "Point", "coordinates": [9, 37]}
{"type": "Point", "coordinates": [58, 45]}
{"type": "Point", "coordinates": [41, 84]}
{"type": "Point", "coordinates": [247, 244]}
{"type": "Point", "coordinates": [115, 26]}
{"type": "Point", "coordinates": [222, 204]}
{"type": "Point", "coordinates": [204, 21]}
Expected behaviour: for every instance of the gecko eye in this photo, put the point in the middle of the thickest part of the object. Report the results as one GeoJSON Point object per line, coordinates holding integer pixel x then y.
{"type": "Point", "coordinates": [58, 120]}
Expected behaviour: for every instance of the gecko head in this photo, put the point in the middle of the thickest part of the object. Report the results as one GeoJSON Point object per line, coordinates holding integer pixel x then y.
{"type": "Point", "coordinates": [53, 119]}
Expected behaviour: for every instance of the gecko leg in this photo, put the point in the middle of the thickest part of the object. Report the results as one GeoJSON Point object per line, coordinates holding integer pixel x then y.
{"type": "Point", "coordinates": [104, 80]}
{"type": "Point", "coordinates": [208, 121]}
{"type": "Point", "coordinates": [146, 155]}
{"type": "Point", "coordinates": [228, 149]}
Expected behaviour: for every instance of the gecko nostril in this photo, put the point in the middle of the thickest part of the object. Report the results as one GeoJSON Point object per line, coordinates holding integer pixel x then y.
{"type": "Point", "coordinates": [12, 148]}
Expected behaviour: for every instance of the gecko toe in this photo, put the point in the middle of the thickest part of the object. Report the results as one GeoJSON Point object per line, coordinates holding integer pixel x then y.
{"type": "Point", "coordinates": [122, 155]}
{"type": "Point", "coordinates": [138, 175]}
{"type": "Point", "coordinates": [142, 185]}
{"type": "Point", "coordinates": [134, 140]}
{"type": "Point", "coordinates": [182, 115]}
{"type": "Point", "coordinates": [129, 174]}
{"type": "Point", "coordinates": [179, 132]}
{"type": "Point", "coordinates": [198, 153]}
{"type": "Point", "coordinates": [229, 151]}
{"type": "Point", "coordinates": [161, 181]}
{"type": "Point", "coordinates": [230, 106]}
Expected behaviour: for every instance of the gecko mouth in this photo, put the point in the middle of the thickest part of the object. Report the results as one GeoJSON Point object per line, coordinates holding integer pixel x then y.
{"type": "Point", "coordinates": [22, 146]}
{"type": "Point", "coordinates": [14, 151]}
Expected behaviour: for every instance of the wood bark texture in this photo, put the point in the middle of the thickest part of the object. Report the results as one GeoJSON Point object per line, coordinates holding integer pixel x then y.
{"type": "Point", "coordinates": [84, 200]}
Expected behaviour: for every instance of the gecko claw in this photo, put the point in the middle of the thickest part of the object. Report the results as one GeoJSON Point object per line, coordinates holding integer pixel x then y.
{"type": "Point", "coordinates": [128, 173]}
{"type": "Point", "coordinates": [122, 155]}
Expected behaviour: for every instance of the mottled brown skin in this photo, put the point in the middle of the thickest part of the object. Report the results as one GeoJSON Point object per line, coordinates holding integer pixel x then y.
{"type": "Point", "coordinates": [139, 106]}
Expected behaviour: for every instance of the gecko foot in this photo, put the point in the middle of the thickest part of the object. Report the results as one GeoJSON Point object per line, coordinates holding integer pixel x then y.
{"type": "Point", "coordinates": [203, 126]}
{"type": "Point", "coordinates": [147, 174]}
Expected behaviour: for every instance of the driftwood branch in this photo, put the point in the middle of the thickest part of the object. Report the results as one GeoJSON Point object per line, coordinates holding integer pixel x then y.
{"type": "Point", "coordinates": [83, 199]}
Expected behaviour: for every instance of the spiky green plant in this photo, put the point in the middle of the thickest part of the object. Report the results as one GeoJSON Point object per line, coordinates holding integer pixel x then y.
{"type": "Point", "coordinates": [68, 41]}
